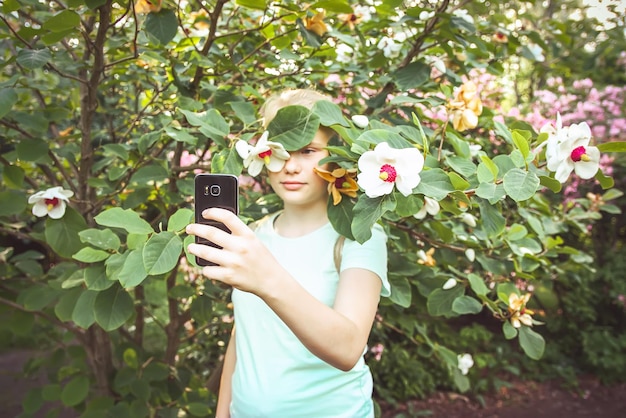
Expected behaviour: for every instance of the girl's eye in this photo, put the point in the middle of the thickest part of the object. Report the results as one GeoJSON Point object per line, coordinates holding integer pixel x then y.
{"type": "Point", "coordinates": [308, 151]}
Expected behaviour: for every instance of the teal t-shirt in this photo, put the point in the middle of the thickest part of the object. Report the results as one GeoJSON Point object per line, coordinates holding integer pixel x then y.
{"type": "Point", "coordinates": [275, 375]}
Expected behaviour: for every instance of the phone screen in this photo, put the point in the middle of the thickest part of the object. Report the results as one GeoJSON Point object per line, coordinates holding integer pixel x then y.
{"type": "Point", "coordinates": [214, 191]}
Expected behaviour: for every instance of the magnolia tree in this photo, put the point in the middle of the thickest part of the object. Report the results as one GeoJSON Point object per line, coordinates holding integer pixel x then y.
{"type": "Point", "coordinates": [108, 109]}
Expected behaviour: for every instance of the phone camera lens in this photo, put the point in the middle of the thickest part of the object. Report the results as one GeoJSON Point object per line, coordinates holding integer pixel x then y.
{"type": "Point", "coordinates": [215, 190]}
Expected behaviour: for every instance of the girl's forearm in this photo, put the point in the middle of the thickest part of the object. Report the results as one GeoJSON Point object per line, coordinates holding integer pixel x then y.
{"type": "Point", "coordinates": [225, 392]}
{"type": "Point", "coordinates": [336, 334]}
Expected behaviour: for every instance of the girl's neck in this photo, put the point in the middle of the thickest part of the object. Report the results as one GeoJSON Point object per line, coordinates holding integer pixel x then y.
{"type": "Point", "coordinates": [296, 221]}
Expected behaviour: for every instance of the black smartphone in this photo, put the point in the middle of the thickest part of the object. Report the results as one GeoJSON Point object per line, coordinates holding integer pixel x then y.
{"type": "Point", "coordinates": [214, 191]}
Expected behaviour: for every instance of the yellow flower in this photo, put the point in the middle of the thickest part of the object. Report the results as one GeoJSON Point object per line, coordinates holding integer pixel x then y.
{"type": "Point", "coordinates": [148, 6]}
{"type": "Point", "coordinates": [340, 181]}
{"type": "Point", "coordinates": [465, 107]}
{"type": "Point", "coordinates": [316, 24]}
{"type": "Point", "coordinates": [517, 308]}
{"type": "Point", "coordinates": [426, 258]}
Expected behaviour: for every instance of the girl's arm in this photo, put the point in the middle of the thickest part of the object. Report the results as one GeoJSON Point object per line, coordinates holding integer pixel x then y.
{"type": "Point", "coordinates": [225, 394]}
{"type": "Point", "coordinates": [336, 334]}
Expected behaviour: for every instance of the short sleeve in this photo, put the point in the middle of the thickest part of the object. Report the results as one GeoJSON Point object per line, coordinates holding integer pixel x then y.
{"type": "Point", "coordinates": [371, 255]}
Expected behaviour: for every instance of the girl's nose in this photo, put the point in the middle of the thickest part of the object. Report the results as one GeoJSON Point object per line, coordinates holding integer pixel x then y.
{"type": "Point", "coordinates": [292, 165]}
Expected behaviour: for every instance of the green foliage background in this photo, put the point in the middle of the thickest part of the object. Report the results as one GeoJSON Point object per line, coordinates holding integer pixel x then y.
{"type": "Point", "coordinates": [105, 101]}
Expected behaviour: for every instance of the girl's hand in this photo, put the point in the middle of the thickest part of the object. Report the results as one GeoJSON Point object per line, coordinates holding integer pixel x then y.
{"type": "Point", "coordinates": [243, 261]}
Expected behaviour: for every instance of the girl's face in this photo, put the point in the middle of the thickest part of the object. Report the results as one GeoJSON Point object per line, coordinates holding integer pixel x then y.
{"type": "Point", "coordinates": [297, 184]}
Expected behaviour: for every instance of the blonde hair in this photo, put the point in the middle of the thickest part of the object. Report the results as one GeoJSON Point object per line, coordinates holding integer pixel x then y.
{"type": "Point", "coordinates": [301, 97]}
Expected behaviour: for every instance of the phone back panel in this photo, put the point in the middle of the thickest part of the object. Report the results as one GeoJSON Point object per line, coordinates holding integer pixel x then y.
{"type": "Point", "coordinates": [214, 191]}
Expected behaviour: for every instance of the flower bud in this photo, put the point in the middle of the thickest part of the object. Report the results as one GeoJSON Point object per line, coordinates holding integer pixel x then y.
{"type": "Point", "coordinates": [361, 121]}
{"type": "Point", "coordinates": [470, 254]}
{"type": "Point", "coordinates": [469, 219]}
{"type": "Point", "coordinates": [449, 284]}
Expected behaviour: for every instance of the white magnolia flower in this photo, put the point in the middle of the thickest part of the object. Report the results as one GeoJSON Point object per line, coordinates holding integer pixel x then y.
{"type": "Point", "coordinates": [51, 202]}
{"type": "Point", "coordinates": [469, 219]}
{"type": "Point", "coordinates": [431, 206]}
{"type": "Point", "coordinates": [424, 15]}
{"type": "Point", "coordinates": [361, 121]}
{"type": "Point", "coordinates": [465, 362]}
{"type": "Point", "coordinates": [449, 284]}
{"type": "Point", "coordinates": [344, 53]}
{"type": "Point", "coordinates": [385, 167]}
{"type": "Point", "coordinates": [567, 150]}
{"type": "Point", "coordinates": [391, 48]}
{"type": "Point", "coordinates": [270, 154]}
{"type": "Point", "coordinates": [363, 12]}
{"type": "Point", "coordinates": [463, 14]}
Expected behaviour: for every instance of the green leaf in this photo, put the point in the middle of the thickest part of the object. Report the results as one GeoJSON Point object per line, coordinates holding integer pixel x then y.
{"type": "Point", "coordinates": [150, 174]}
{"type": "Point", "coordinates": [65, 306]}
{"type": "Point", "coordinates": [83, 314]}
{"type": "Point", "coordinates": [162, 25]}
{"type": "Point", "coordinates": [340, 216]}
{"type": "Point", "coordinates": [531, 342]}
{"type": "Point", "coordinates": [133, 272]}
{"type": "Point", "coordinates": [37, 297]}
{"type": "Point", "coordinates": [401, 292]}
{"type": "Point", "coordinates": [329, 114]}
{"type": "Point", "coordinates": [520, 185]}
{"type": "Point", "coordinates": [294, 127]}
{"type": "Point", "coordinates": [124, 218]}
{"type": "Point", "coordinates": [440, 301]}
{"type": "Point", "coordinates": [90, 255]}
{"type": "Point", "coordinates": [211, 123]}
{"type": "Point", "coordinates": [434, 183]}
{"type": "Point", "coordinates": [96, 278]}
{"type": "Point", "coordinates": [201, 309]}
{"type": "Point", "coordinates": [75, 391]}
{"type": "Point", "coordinates": [614, 146]}
{"type": "Point", "coordinates": [458, 182]}
{"type": "Point", "coordinates": [32, 149]}
{"type": "Point", "coordinates": [62, 234]}
{"type": "Point", "coordinates": [466, 305]}
{"type": "Point", "coordinates": [62, 21]}
{"type": "Point", "coordinates": [162, 252]}
{"type": "Point", "coordinates": [8, 98]}
{"type": "Point", "coordinates": [376, 136]}
{"type": "Point", "coordinates": [477, 284]}
{"type": "Point", "coordinates": [509, 330]}
{"type": "Point", "coordinates": [605, 182]}
{"type": "Point", "coordinates": [180, 219]}
{"type": "Point", "coordinates": [10, 6]}
{"type": "Point", "coordinates": [551, 183]}
{"type": "Point", "coordinates": [130, 358]}
{"type": "Point", "coordinates": [181, 135]}
{"type": "Point", "coordinates": [521, 143]}
{"type": "Point", "coordinates": [244, 111]}
{"type": "Point", "coordinates": [198, 409]}
{"type": "Point", "coordinates": [13, 203]}
{"type": "Point", "coordinates": [412, 76]}
{"type": "Point", "coordinates": [94, 4]}
{"type": "Point", "coordinates": [491, 166]}
{"type": "Point", "coordinates": [366, 212]}
{"type": "Point", "coordinates": [253, 4]}
{"type": "Point", "coordinates": [113, 307]}
{"type": "Point", "coordinates": [32, 59]}
{"type": "Point", "coordinates": [492, 220]}
{"type": "Point", "coordinates": [461, 165]}
{"type": "Point", "coordinates": [101, 238]}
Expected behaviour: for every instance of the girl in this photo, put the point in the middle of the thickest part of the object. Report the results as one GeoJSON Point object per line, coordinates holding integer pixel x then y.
{"type": "Point", "coordinates": [301, 326]}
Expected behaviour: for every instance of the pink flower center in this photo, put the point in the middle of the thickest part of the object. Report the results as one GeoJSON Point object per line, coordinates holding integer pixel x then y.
{"type": "Point", "coordinates": [340, 183]}
{"type": "Point", "coordinates": [577, 153]}
{"type": "Point", "coordinates": [51, 202]}
{"type": "Point", "coordinates": [388, 173]}
{"type": "Point", "coordinates": [265, 154]}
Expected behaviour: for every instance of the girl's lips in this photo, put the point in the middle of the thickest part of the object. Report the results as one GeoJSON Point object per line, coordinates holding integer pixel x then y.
{"type": "Point", "coordinates": [292, 185]}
